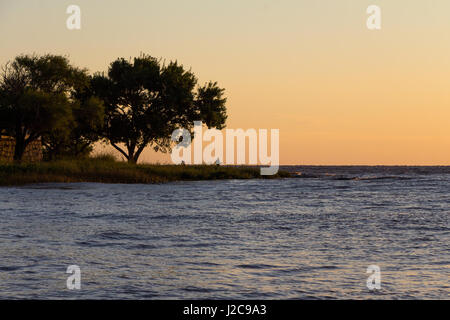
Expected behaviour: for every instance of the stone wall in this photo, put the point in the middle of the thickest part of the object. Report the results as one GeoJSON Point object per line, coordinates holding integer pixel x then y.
{"type": "Point", "coordinates": [33, 152]}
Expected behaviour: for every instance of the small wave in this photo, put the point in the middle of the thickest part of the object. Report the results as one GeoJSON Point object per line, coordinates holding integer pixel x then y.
{"type": "Point", "coordinates": [197, 289]}
{"type": "Point", "coordinates": [58, 186]}
{"type": "Point", "coordinates": [343, 177]}
{"type": "Point", "coordinates": [117, 236]}
{"type": "Point", "coordinates": [423, 239]}
{"type": "Point", "coordinates": [383, 178]}
{"type": "Point", "coordinates": [212, 264]}
{"type": "Point", "coordinates": [282, 228]}
{"type": "Point", "coordinates": [306, 175]}
{"type": "Point", "coordinates": [194, 245]}
{"type": "Point", "coordinates": [255, 266]}
{"type": "Point", "coordinates": [328, 267]}
{"type": "Point", "coordinates": [50, 187]}
{"type": "Point", "coordinates": [97, 244]}
{"type": "Point", "coordinates": [143, 246]}
{"type": "Point", "coordinates": [11, 268]}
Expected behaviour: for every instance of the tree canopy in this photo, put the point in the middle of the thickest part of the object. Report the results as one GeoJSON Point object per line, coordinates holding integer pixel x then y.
{"type": "Point", "coordinates": [138, 103]}
{"type": "Point", "coordinates": [145, 100]}
{"type": "Point", "coordinates": [38, 98]}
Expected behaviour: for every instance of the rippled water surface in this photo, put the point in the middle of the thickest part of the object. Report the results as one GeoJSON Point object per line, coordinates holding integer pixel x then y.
{"type": "Point", "coordinates": [306, 238]}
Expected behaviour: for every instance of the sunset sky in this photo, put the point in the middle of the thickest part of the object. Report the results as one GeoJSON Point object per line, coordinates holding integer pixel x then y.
{"type": "Point", "coordinates": [339, 93]}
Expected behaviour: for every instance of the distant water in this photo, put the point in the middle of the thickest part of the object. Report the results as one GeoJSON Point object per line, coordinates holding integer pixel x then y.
{"type": "Point", "coordinates": [306, 238]}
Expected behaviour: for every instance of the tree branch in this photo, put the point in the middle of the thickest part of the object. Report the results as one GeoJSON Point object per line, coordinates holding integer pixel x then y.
{"type": "Point", "coordinates": [120, 150]}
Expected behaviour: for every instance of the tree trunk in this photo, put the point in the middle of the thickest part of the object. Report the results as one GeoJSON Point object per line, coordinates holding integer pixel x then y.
{"type": "Point", "coordinates": [131, 156]}
{"type": "Point", "coordinates": [131, 148]}
{"type": "Point", "coordinates": [120, 150]}
{"type": "Point", "coordinates": [138, 152]}
{"type": "Point", "coordinates": [19, 149]}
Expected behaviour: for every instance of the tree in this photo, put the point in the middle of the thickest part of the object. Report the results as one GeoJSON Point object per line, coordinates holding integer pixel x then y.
{"type": "Point", "coordinates": [36, 97]}
{"type": "Point", "coordinates": [75, 140]}
{"type": "Point", "coordinates": [146, 100]}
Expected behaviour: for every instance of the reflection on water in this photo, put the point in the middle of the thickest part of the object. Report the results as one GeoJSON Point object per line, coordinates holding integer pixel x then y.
{"type": "Point", "coordinates": [291, 238]}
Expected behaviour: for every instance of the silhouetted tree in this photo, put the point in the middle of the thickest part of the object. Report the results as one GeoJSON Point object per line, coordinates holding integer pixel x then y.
{"type": "Point", "coordinates": [37, 97]}
{"type": "Point", "coordinates": [146, 100]}
{"type": "Point", "coordinates": [75, 140]}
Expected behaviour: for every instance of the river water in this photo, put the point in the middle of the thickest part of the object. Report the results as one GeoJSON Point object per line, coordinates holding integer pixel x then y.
{"type": "Point", "coordinates": [306, 238]}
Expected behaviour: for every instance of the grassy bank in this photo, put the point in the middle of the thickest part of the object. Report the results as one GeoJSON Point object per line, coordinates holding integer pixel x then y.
{"type": "Point", "coordinates": [108, 171]}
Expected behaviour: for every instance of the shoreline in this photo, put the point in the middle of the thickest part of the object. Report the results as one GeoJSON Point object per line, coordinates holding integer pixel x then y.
{"type": "Point", "coordinates": [107, 171]}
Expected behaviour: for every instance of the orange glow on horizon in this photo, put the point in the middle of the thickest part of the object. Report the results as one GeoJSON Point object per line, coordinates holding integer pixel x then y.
{"type": "Point", "coordinates": [339, 93]}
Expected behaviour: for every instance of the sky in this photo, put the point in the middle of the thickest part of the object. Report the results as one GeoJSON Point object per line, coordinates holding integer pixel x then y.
{"type": "Point", "coordinates": [339, 93]}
